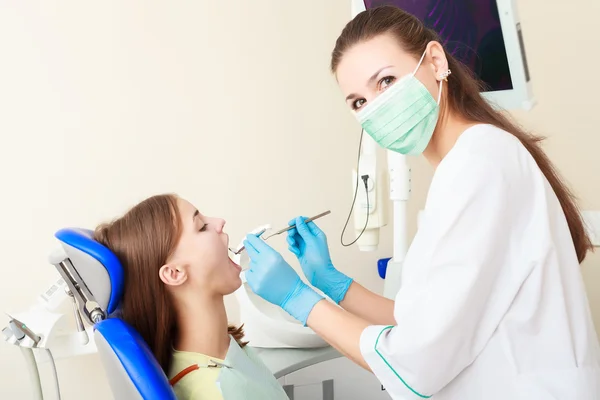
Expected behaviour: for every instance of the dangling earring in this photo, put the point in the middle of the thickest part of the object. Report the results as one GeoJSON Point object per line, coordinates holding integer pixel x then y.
{"type": "Point", "coordinates": [444, 75]}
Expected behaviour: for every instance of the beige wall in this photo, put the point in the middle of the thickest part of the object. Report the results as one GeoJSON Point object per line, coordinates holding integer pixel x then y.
{"type": "Point", "coordinates": [105, 103]}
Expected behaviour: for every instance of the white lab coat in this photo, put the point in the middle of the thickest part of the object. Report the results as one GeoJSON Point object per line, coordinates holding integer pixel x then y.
{"type": "Point", "coordinates": [492, 304]}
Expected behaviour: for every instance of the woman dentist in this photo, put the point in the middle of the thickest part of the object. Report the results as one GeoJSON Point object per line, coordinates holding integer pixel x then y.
{"type": "Point", "coordinates": [492, 305]}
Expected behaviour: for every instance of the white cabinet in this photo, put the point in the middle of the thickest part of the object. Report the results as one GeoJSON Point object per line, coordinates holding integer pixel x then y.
{"type": "Point", "coordinates": [336, 379]}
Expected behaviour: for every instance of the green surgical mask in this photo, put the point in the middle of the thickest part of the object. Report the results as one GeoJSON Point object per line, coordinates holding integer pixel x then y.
{"type": "Point", "coordinates": [403, 117]}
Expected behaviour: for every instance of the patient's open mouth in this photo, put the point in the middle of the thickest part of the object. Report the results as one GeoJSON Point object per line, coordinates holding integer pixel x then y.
{"type": "Point", "coordinates": [236, 265]}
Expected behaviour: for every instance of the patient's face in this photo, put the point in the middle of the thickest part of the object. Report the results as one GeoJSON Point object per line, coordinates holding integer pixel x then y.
{"type": "Point", "coordinates": [202, 248]}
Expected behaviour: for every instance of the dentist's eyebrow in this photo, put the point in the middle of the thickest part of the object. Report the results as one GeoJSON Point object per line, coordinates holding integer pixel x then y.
{"type": "Point", "coordinates": [196, 213]}
{"type": "Point", "coordinates": [369, 81]}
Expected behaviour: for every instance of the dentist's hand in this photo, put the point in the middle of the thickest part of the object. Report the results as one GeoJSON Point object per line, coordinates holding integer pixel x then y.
{"type": "Point", "coordinates": [273, 279]}
{"type": "Point", "coordinates": [309, 244]}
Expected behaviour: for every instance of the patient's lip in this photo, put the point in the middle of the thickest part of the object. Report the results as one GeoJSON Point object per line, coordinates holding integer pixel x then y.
{"type": "Point", "coordinates": [236, 265]}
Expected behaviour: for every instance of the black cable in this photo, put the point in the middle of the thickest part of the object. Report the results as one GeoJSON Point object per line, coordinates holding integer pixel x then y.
{"type": "Point", "coordinates": [365, 178]}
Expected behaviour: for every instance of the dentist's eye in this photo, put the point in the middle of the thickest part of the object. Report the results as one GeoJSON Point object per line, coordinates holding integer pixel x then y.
{"type": "Point", "coordinates": [356, 104]}
{"type": "Point", "coordinates": [203, 228]}
{"type": "Point", "coordinates": [385, 82]}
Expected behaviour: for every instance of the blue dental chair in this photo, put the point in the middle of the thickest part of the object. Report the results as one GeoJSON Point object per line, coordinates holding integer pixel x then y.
{"type": "Point", "coordinates": [96, 279]}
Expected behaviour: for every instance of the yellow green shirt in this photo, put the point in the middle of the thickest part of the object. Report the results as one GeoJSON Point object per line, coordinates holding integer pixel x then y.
{"type": "Point", "coordinates": [200, 384]}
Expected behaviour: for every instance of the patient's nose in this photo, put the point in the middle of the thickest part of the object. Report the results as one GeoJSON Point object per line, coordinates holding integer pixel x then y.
{"type": "Point", "coordinates": [219, 224]}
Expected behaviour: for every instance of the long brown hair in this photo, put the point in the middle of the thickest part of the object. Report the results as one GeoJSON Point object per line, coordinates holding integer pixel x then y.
{"type": "Point", "coordinates": [143, 240]}
{"type": "Point", "coordinates": [463, 97]}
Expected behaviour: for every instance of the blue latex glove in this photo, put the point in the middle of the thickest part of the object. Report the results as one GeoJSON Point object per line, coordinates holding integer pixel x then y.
{"type": "Point", "coordinates": [273, 279]}
{"type": "Point", "coordinates": [309, 244]}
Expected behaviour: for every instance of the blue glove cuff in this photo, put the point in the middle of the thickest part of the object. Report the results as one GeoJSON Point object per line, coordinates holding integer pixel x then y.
{"type": "Point", "coordinates": [334, 284]}
{"type": "Point", "coordinates": [301, 301]}
{"type": "Point", "coordinates": [339, 290]}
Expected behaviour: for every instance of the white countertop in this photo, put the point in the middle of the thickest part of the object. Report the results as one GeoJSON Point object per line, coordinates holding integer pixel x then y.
{"type": "Point", "coordinates": [284, 361]}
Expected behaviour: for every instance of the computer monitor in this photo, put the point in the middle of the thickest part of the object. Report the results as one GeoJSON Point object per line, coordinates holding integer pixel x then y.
{"type": "Point", "coordinates": [483, 34]}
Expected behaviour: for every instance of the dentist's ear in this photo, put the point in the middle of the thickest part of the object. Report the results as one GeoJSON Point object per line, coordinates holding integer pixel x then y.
{"type": "Point", "coordinates": [437, 57]}
{"type": "Point", "coordinates": [173, 274]}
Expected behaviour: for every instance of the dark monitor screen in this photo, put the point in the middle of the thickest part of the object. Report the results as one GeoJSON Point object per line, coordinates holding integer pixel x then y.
{"type": "Point", "coordinates": [470, 31]}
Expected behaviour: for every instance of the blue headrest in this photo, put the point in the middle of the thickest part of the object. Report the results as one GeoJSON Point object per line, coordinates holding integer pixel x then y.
{"type": "Point", "coordinates": [136, 358]}
{"type": "Point", "coordinates": [82, 240]}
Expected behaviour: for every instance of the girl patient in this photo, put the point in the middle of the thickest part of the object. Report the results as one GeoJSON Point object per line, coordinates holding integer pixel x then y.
{"type": "Point", "coordinates": [177, 270]}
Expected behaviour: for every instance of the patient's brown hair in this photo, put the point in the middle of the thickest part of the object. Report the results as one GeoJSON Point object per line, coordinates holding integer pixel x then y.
{"type": "Point", "coordinates": [143, 240]}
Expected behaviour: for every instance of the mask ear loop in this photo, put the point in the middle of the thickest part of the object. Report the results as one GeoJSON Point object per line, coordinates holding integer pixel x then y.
{"type": "Point", "coordinates": [443, 77]}
{"type": "Point", "coordinates": [440, 91]}
{"type": "Point", "coordinates": [420, 61]}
